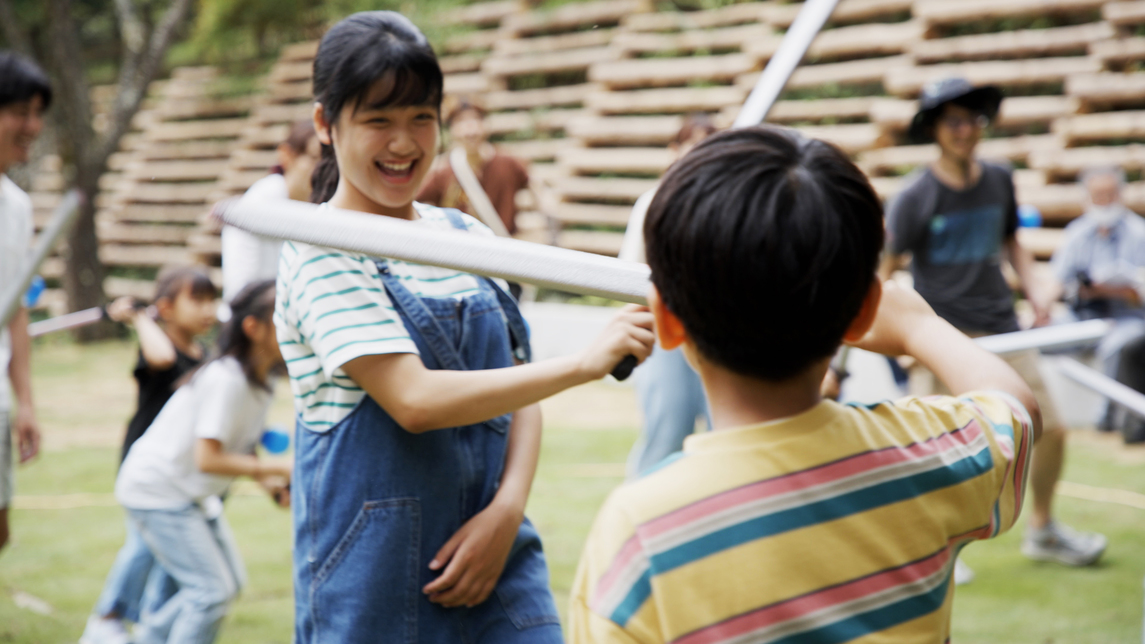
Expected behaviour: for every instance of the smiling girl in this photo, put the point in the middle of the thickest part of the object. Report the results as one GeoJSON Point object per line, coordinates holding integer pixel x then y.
{"type": "Point", "coordinates": [417, 435]}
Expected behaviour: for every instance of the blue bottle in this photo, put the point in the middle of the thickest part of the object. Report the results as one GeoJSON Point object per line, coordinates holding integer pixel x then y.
{"type": "Point", "coordinates": [275, 440]}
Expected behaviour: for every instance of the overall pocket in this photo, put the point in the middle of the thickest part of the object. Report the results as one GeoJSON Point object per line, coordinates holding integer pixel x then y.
{"type": "Point", "coordinates": [367, 588]}
{"type": "Point", "coordinates": [523, 589]}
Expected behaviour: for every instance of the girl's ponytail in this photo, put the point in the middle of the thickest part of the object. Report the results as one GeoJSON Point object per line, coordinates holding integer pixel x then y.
{"type": "Point", "coordinates": [324, 180]}
{"type": "Point", "coordinates": [256, 299]}
{"type": "Point", "coordinates": [357, 53]}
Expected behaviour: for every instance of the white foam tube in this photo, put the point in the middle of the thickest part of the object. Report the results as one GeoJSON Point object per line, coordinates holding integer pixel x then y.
{"type": "Point", "coordinates": [459, 161]}
{"type": "Point", "coordinates": [798, 38]}
{"type": "Point", "coordinates": [1104, 385]}
{"type": "Point", "coordinates": [62, 220]}
{"type": "Point", "coordinates": [378, 236]}
{"type": "Point", "coordinates": [1062, 336]}
{"type": "Point", "coordinates": [67, 321]}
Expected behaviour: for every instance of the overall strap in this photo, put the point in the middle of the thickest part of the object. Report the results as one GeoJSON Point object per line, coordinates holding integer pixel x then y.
{"type": "Point", "coordinates": [416, 312]}
{"type": "Point", "coordinates": [455, 218]}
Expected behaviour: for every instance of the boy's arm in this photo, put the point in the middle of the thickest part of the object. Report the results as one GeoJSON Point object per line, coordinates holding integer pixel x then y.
{"type": "Point", "coordinates": [1040, 297]}
{"type": "Point", "coordinates": [475, 556]}
{"type": "Point", "coordinates": [906, 325]}
{"type": "Point", "coordinates": [27, 430]}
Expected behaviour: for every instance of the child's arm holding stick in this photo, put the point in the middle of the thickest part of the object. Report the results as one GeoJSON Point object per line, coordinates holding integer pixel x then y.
{"type": "Point", "coordinates": [906, 325]}
{"type": "Point", "coordinates": [157, 349]}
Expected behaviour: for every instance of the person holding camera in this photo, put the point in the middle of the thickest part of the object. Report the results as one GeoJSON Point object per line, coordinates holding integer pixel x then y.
{"type": "Point", "coordinates": [1100, 267]}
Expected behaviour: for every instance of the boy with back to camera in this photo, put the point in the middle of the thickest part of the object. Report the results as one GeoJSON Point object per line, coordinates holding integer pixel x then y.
{"type": "Point", "coordinates": [796, 518]}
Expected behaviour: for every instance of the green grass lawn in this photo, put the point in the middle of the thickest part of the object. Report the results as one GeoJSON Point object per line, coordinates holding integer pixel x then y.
{"type": "Point", "coordinates": [61, 555]}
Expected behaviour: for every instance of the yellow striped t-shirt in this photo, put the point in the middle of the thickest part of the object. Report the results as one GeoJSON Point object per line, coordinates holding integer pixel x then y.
{"type": "Point", "coordinates": [840, 524]}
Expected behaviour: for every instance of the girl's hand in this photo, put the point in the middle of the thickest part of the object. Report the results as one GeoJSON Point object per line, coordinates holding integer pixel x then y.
{"type": "Point", "coordinates": [122, 310]}
{"type": "Point", "coordinates": [629, 333]}
{"type": "Point", "coordinates": [475, 556]}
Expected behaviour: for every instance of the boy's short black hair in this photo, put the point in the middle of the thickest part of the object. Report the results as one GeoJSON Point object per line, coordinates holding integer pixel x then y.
{"type": "Point", "coordinates": [21, 79]}
{"type": "Point", "coordinates": [764, 244]}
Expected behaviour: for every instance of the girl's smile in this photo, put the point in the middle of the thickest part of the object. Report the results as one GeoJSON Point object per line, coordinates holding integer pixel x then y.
{"type": "Point", "coordinates": [397, 172]}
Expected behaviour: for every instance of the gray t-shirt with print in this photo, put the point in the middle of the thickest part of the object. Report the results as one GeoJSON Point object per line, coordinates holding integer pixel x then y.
{"type": "Point", "coordinates": [956, 239]}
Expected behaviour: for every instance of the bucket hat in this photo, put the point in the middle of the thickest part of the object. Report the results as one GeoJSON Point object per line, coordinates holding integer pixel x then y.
{"type": "Point", "coordinates": [985, 99]}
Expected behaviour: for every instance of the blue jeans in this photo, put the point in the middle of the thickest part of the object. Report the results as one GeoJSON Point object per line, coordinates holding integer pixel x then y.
{"type": "Point", "coordinates": [135, 585]}
{"type": "Point", "coordinates": [672, 398]}
{"type": "Point", "coordinates": [200, 554]}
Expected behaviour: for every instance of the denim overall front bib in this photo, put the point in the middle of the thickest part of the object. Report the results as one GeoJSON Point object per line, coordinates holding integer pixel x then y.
{"type": "Point", "coordinates": [373, 503]}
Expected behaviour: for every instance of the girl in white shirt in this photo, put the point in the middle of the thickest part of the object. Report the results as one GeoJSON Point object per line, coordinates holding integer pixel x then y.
{"type": "Point", "coordinates": [172, 478]}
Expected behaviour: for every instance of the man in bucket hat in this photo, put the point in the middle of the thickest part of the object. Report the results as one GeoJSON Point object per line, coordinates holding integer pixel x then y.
{"type": "Point", "coordinates": [958, 219]}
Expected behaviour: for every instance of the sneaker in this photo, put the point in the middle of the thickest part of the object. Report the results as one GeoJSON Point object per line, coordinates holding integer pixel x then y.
{"type": "Point", "coordinates": [102, 630]}
{"type": "Point", "coordinates": [1062, 544]}
{"type": "Point", "coordinates": [963, 574]}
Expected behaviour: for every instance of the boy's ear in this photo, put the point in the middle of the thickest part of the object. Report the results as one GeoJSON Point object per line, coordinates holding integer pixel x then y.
{"type": "Point", "coordinates": [866, 317]}
{"type": "Point", "coordinates": [669, 329]}
{"type": "Point", "coordinates": [321, 126]}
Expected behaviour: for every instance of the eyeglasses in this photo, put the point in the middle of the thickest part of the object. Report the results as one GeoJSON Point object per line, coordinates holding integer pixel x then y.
{"type": "Point", "coordinates": [955, 122]}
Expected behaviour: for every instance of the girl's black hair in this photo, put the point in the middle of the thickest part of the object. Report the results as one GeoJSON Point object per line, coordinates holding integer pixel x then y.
{"type": "Point", "coordinates": [21, 79]}
{"type": "Point", "coordinates": [173, 281]}
{"type": "Point", "coordinates": [255, 299]}
{"type": "Point", "coordinates": [358, 52]}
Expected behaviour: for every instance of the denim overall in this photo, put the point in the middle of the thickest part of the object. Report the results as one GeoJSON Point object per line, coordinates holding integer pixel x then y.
{"type": "Point", "coordinates": [373, 503]}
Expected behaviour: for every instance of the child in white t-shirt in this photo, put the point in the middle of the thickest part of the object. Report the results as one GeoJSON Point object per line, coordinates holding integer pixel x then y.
{"type": "Point", "coordinates": [204, 437]}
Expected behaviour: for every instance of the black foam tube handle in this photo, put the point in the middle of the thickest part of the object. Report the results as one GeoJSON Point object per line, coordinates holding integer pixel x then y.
{"type": "Point", "coordinates": [624, 368]}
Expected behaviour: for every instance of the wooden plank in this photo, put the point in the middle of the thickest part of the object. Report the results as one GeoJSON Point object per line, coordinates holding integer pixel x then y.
{"type": "Point", "coordinates": [460, 63]}
{"type": "Point", "coordinates": [616, 160]}
{"type": "Point", "coordinates": [591, 241]}
{"type": "Point", "coordinates": [253, 159]}
{"type": "Point", "coordinates": [878, 39]}
{"type": "Point", "coordinates": [943, 12]}
{"type": "Point", "coordinates": [572, 17]}
{"type": "Point", "coordinates": [515, 122]}
{"type": "Point", "coordinates": [734, 14]}
{"type": "Point", "coordinates": [548, 62]}
{"type": "Point", "coordinates": [548, 44]}
{"type": "Point", "coordinates": [603, 190]}
{"type": "Point", "coordinates": [167, 214]}
{"type": "Point", "coordinates": [142, 290]}
{"type": "Point", "coordinates": [123, 255]}
{"type": "Point", "coordinates": [482, 14]}
{"type": "Point", "coordinates": [116, 233]}
{"type": "Point", "coordinates": [195, 73]}
{"type": "Point", "coordinates": [1118, 51]}
{"type": "Point", "coordinates": [169, 193]}
{"type": "Point", "coordinates": [1108, 89]}
{"type": "Point", "coordinates": [466, 83]}
{"type": "Point", "coordinates": [237, 181]}
{"type": "Point", "coordinates": [1124, 14]}
{"type": "Point", "coordinates": [851, 138]}
{"type": "Point", "coordinates": [1017, 111]}
{"type": "Point", "coordinates": [908, 81]}
{"type": "Point", "coordinates": [48, 182]}
{"type": "Point", "coordinates": [546, 97]}
{"type": "Point", "coordinates": [592, 214]}
{"type": "Point", "coordinates": [728, 38]}
{"type": "Point", "coordinates": [191, 130]}
{"type": "Point", "coordinates": [848, 11]}
{"type": "Point", "coordinates": [472, 41]}
{"type": "Point", "coordinates": [660, 72]}
{"type": "Point", "coordinates": [546, 174]}
{"type": "Point", "coordinates": [204, 108]}
{"type": "Point", "coordinates": [299, 51]}
{"type": "Point", "coordinates": [852, 72]}
{"type": "Point", "coordinates": [1041, 241]}
{"type": "Point", "coordinates": [184, 150]}
{"type": "Point", "coordinates": [818, 110]}
{"type": "Point", "coordinates": [291, 71]}
{"type": "Point", "coordinates": [1102, 126]}
{"type": "Point", "coordinates": [153, 171]}
{"type": "Point", "coordinates": [269, 114]}
{"type": "Point", "coordinates": [1014, 149]}
{"type": "Point", "coordinates": [625, 130]}
{"type": "Point", "coordinates": [205, 246]}
{"type": "Point", "coordinates": [675, 100]}
{"type": "Point", "coordinates": [265, 137]}
{"type": "Point", "coordinates": [537, 149]}
{"type": "Point", "coordinates": [301, 90]}
{"type": "Point", "coordinates": [1023, 43]}
{"type": "Point", "coordinates": [1072, 161]}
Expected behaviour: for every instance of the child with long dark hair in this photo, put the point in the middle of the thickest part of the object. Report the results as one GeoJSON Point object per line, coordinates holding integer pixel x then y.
{"type": "Point", "coordinates": [171, 480]}
{"type": "Point", "coordinates": [417, 437]}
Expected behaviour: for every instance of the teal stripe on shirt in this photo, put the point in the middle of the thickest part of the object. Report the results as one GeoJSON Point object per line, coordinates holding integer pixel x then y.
{"type": "Point", "coordinates": [355, 326]}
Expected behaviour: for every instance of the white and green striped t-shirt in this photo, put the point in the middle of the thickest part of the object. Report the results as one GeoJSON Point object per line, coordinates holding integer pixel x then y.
{"type": "Point", "coordinates": [331, 308]}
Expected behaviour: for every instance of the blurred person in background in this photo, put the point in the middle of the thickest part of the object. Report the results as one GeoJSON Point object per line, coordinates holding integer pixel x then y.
{"type": "Point", "coordinates": [501, 175]}
{"type": "Point", "coordinates": [25, 93]}
{"type": "Point", "coordinates": [1100, 271]}
{"type": "Point", "coordinates": [670, 394]}
{"type": "Point", "coordinates": [957, 218]}
{"type": "Point", "coordinates": [248, 257]}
